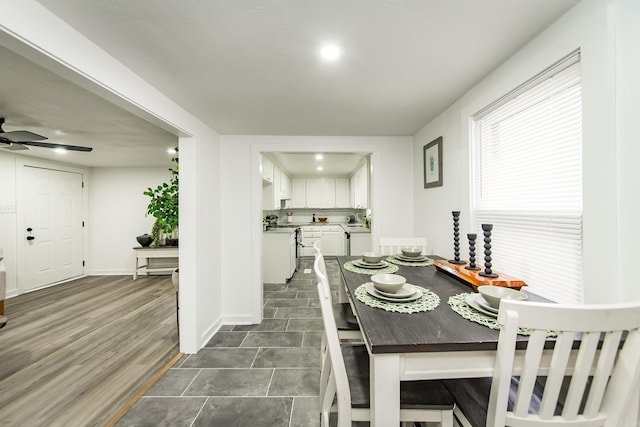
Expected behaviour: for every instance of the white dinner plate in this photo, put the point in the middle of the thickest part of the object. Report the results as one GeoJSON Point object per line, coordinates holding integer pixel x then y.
{"type": "Point", "coordinates": [361, 263]}
{"type": "Point", "coordinates": [484, 304]}
{"type": "Point", "coordinates": [471, 300]}
{"type": "Point", "coordinates": [374, 293]}
{"type": "Point", "coordinates": [405, 291]}
{"type": "Point", "coordinates": [411, 258]}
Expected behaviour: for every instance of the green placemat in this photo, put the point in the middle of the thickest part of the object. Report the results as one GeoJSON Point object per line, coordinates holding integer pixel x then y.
{"type": "Point", "coordinates": [427, 302]}
{"type": "Point", "coordinates": [427, 262]}
{"type": "Point", "coordinates": [355, 269]}
{"type": "Point", "coordinates": [460, 306]}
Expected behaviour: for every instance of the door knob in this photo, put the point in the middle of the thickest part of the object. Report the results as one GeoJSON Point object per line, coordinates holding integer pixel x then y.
{"type": "Point", "coordinates": [29, 229]}
{"type": "Point", "coordinates": [30, 238]}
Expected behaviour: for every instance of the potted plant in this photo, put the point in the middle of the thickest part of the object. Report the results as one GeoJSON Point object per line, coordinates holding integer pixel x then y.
{"type": "Point", "coordinates": [164, 207]}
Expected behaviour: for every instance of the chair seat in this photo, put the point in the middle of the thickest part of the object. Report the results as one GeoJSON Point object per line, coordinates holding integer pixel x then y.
{"type": "Point", "coordinates": [413, 394]}
{"type": "Point", "coordinates": [472, 397]}
{"type": "Point", "coordinates": [345, 319]}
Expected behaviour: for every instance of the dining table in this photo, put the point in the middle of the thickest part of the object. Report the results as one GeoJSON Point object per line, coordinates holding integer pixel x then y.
{"type": "Point", "coordinates": [435, 343]}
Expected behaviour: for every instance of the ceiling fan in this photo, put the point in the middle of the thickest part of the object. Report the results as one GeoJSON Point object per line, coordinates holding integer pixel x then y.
{"type": "Point", "coordinates": [21, 139]}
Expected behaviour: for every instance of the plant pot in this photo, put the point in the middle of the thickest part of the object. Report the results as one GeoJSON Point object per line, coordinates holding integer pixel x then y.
{"type": "Point", "coordinates": [171, 241]}
{"type": "Point", "coordinates": [174, 278]}
{"type": "Point", "coordinates": [144, 240]}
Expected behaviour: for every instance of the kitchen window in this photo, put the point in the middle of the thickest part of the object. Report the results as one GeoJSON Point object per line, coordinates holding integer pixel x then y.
{"type": "Point", "coordinates": [527, 181]}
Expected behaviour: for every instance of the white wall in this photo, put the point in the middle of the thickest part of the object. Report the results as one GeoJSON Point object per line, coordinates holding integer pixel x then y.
{"type": "Point", "coordinates": [606, 33]}
{"type": "Point", "coordinates": [117, 211]}
{"type": "Point", "coordinates": [241, 194]}
{"type": "Point", "coordinates": [58, 47]}
{"type": "Point", "coordinates": [8, 219]}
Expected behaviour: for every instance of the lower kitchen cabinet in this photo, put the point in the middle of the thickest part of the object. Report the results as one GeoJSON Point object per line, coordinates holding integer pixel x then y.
{"type": "Point", "coordinates": [360, 243]}
{"type": "Point", "coordinates": [332, 237]}
{"type": "Point", "coordinates": [278, 256]}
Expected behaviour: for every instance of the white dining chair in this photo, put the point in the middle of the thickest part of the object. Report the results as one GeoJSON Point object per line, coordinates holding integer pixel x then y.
{"type": "Point", "coordinates": [392, 245]}
{"type": "Point", "coordinates": [347, 390]}
{"type": "Point", "coordinates": [348, 331]}
{"type": "Point", "coordinates": [591, 388]}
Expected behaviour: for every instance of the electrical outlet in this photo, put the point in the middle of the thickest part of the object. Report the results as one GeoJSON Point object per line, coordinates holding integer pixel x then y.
{"type": "Point", "coordinates": [7, 209]}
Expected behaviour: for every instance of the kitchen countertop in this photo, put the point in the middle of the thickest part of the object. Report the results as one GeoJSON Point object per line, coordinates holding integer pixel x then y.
{"type": "Point", "coordinates": [289, 227]}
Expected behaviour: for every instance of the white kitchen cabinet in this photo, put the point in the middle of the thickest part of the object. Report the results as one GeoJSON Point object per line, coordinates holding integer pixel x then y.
{"type": "Point", "coordinates": [360, 243]}
{"type": "Point", "coordinates": [361, 187]}
{"type": "Point", "coordinates": [332, 237]}
{"type": "Point", "coordinates": [314, 192]}
{"type": "Point", "coordinates": [285, 186]}
{"type": "Point", "coordinates": [343, 199]}
{"type": "Point", "coordinates": [278, 256]}
{"type": "Point", "coordinates": [321, 192]}
{"type": "Point", "coordinates": [266, 169]}
{"type": "Point", "coordinates": [333, 241]}
{"type": "Point", "coordinates": [310, 235]}
{"type": "Point", "coordinates": [298, 193]}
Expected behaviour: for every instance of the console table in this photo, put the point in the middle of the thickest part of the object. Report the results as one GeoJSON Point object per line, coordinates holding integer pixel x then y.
{"type": "Point", "coordinates": [144, 254]}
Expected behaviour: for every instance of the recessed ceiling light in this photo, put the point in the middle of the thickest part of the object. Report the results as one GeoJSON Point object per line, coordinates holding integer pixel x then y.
{"type": "Point", "coordinates": [171, 151]}
{"type": "Point", "coordinates": [330, 52]}
{"type": "Point", "coordinates": [319, 157]}
{"type": "Point", "coordinates": [60, 150]}
{"type": "Point", "coordinates": [319, 168]}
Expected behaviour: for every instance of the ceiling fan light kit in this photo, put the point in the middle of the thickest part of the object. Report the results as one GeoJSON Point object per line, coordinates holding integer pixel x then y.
{"type": "Point", "coordinates": [22, 139]}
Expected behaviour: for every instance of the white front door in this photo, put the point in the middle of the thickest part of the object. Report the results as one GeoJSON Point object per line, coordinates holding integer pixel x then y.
{"type": "Point", "coordinates": [52, 221]}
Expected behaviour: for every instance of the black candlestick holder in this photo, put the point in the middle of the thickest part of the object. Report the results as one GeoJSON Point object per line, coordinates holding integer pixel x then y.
{"type": "Point", "coordinates": [486, 230]}
{"type": "Point", "coordinates": [456, 239]}
{"type": "Point", "coordinates": [472, 252]}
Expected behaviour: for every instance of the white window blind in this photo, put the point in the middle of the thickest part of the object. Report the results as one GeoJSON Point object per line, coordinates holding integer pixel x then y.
{"type": "Point", "coordinates": [527, 182]}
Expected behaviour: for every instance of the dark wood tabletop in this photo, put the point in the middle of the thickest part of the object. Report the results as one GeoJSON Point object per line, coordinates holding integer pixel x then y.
{"type": "Point", "coordinates": [433, 331]}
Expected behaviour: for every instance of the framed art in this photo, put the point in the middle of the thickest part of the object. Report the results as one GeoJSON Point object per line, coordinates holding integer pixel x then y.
{"type": "Point", "coordinates": [432, 157]}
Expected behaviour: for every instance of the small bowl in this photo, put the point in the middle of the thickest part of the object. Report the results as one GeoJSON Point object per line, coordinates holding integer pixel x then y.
{"type": "Point", "coordinates": [322, 219]}
{"type": "Point", "coordinates": [411, 251]}
{"type": "Point", "coordinates": [372, 257]}
{"type": "Point", "coordinates": [388, 282]}
{"type": "Point", "coordinates": [494, 294]}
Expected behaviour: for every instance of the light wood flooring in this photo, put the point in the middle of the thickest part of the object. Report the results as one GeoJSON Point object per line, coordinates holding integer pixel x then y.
{"type": "Point", "coordinates": [75, 354]}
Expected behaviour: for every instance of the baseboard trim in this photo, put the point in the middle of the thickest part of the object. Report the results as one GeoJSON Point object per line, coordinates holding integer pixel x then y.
{"type": "Point", "coordinates": [144, 390]}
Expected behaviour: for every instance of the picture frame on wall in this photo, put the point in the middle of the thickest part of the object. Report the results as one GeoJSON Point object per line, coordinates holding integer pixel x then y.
{"type": "Point", "coordinates": [432, 158]}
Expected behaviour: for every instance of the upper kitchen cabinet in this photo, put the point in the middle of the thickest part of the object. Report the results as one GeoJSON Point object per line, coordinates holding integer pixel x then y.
{"type": "Point", "coordinates": [275, 185]}
{"type": "Point", "coordinates": [285, 185]}
{"type": "Point", "coordinates": [266, 169]}
{"type": "Point", "coordinates": [321, 192]}
{"type": "Point", "coordinates": [298, 193]}
{"type": "Point", "coordinates": [343, 194]}
{"type": "Point", "coordinates": [360, 187]}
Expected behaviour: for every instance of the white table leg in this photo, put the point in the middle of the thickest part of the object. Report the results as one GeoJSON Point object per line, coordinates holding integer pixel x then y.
{"type": "Point", "coordinates": [385, 390]}
{"type": "Point", "coordinates": [135, 267]}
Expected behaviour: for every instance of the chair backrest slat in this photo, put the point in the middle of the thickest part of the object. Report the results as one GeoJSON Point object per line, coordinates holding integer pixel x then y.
{"type": "Point", "coordinates": [393, 245]}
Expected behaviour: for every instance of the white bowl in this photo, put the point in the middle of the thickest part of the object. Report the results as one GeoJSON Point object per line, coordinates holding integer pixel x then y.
{"type": "Point", "coordinates": [371, 257]}
{"type": "Point", "coordinates": [411, 251]}
{"type": "Point", "coordinates": [494, 294]}
{"type": "Point", "coordinates": [388, 282]}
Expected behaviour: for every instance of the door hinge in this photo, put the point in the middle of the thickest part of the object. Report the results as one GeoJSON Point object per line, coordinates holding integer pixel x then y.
{"type": "Point", "coordinates": [83, 263]}
{"type": "Point", "coordinates": [83, 223]}
{"type": "Point", "coordinates": [82, 184]}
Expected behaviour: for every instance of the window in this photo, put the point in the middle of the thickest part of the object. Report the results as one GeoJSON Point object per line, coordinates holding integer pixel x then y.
{"type": "Point", "coordinates": [527, 181]}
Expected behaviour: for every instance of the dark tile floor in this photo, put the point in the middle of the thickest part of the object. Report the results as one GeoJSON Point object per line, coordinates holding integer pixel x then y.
{"type": "Point", "coordinates": [249, 375]}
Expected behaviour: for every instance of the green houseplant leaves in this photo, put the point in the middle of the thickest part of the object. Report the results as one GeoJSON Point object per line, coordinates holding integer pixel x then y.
{"type": "Point", "coordinates": [164, 203]}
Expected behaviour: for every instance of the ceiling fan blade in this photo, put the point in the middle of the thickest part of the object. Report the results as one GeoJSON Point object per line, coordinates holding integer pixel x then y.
{"type": "Point", "coordinates": [52, 145]}
{"type": "Point", "coordinates": [12, 147]}
{"type": "Point", "coordinates": [22, 136]}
